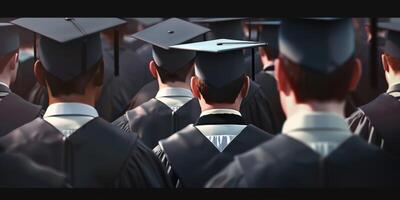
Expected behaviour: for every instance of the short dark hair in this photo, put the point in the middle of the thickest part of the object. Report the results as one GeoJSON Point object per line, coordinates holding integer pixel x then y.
{"type": "Point", "coordinates": [76, 85]}
{"type": "Point", "coordinates": [226, 94]}
{"type": "Point", "coordinates": [179, 75]}
{"type": "Point", "coordinates": [5, 59]}
{"type": "Point", "coordinates": [394, 62]}
{"type": "Point", "coordinates": [311, 85]}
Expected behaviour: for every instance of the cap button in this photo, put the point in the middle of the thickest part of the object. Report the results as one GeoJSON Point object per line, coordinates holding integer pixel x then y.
{"type": "Point", "coordinates": [171, 32]}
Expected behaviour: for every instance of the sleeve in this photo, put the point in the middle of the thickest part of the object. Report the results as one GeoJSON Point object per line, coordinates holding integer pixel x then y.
{"type": "Point", "coordinates": [123, 123]}
{"type": "Point", "coordinates": [231, 176]}
{"type": "Point", "coordinates": [164, 160]}
{"type": "Point", "coordinates": [360, 125]}
{"type": "Point", "coordinates": [143, 170]}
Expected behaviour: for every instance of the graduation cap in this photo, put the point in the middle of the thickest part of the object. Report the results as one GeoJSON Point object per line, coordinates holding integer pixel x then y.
{"type": "Point", "coordinates": [9, 38]}
{"type": "Point", "coordinates": [220, 61]}
{"type": "Point", "coordinates": [166, 34]}
{"type": "Point", "coordinates": [320, 44]}
{"type": "Point", "coordinates": [268, 32]}
{"type": "Point", "coordinates": [68, 46]}
{"type": "Point", "coordinates": [392, 43]}
{"type": "Point", "coordinates": [224, 27]}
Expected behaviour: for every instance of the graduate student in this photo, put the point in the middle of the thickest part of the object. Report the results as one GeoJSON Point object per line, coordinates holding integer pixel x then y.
{"type": "Point", "coordinates": [174, 106]}
{"type": "Point", "coordinates": [195, 153]}
{"type": "Point", "coordinates": [71, 137]}
{"type": "Point", "coordinates": [377, 122]}
{"type": "Point", "coordinates": [315, 70]}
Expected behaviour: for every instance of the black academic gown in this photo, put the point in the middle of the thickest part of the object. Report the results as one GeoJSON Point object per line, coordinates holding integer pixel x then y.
{"type": "Point", "coordinates": [267, 82]}
{"type": "Point", "coordinates": [378, 121]}
{"type": "Point", "coordinates": [15, 111]}
{"type": "Point", "coordinates": [25, 80]}
{"type": "Point", "coordinates": [96, 155]}
{"type": "Point", "coordinates": [118, 91]}
{"type": "Point", "coordinates": [18, 171]}
{"type": "Point", "coordinates": [154, 120]}
{"type": "Point", "coordinates": [256, 107]}
{"type": "Point", "coordinates": [193, 159]}
{"type": "Point", "coordinates": [284, 162]}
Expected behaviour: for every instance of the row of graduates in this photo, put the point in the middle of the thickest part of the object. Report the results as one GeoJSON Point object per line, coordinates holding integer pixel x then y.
{"type": "Point", "coordinates": [194, 123]}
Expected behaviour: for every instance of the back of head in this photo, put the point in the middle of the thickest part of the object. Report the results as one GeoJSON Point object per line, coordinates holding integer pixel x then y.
{"type": "Point", "coordinates": [9, 43]}
{"type": "Point", "coordinates": [318, 57]}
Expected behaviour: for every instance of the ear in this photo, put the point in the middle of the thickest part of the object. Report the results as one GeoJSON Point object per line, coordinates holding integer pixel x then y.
{"type": "Point", "coordinates": [39, 73]}
{"type": "Point", "coordinates": [281, 78]}
{"type": "Point", "coordinates": [356, 75]}
{"type": "Point", "coordinates": [153, 68]}
{"type": "Point", "coordinates": [385, 62]}
{"type": "Point", "coordinates": [245, 88]}
{"type": "Point", "coordinates": [195, 87]}
{"type": "Point", "coordinates": [15, 61]}
{"type": "Point", "coordinates": [99, 75]}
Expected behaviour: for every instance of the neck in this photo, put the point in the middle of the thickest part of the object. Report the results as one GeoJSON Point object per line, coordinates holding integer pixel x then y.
{"type": "Point", "coordinates": [204, 106]}
{"type": "Point", "coordinates": [5, 79]}
{"type": "Point", "coordinates": [185, 85]}
{"type": "Point", "coordinates": [392, 79]}
{"type": "Point", "coordinates": [315, 106]}
{"type": "Point", "coordinates": [72, 99]}
{"type": "Point", "coordinates": [266, 63]}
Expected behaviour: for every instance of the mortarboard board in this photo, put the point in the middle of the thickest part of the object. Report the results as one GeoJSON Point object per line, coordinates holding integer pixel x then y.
{"type": "Point", "coordinates": [319, 44]}
{"type": "Point", "coordinates": [224, 27]}
{"type": "Point", "coordinates": [68, 46]}
{"type": "Point", "coordinates": [166, 34]}
{"type": "Point", "coordinates": [220, 61]}
{"type": "Point", "coordinates": [9, 38]}
{"type": "Point", "coordinates": [392, 43]}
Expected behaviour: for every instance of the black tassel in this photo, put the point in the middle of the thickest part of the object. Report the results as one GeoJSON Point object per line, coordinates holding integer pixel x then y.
{"type": "Point", "coordinates": [116, 52]}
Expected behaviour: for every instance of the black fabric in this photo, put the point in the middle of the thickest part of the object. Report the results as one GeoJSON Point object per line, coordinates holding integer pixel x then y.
{"type": "Point", "coordinates": [15, 112]}
{"type": "Point", "coordinates": [256, 107]}
{"type": "Point", "coordinates": [194, 159]}
{"type": "Point", "coordinates": [118, 91]}
{"type": "Point", "coordinates": [378, 122]}
{"type": "Point", "coordinates": [220, 119]}
{"type": "Point", "coordinates": [96, 155]}
{"type": "Point", "coordinates": [25, 80]}
{"type": "Point", "coordinates": [154, 120]}
{"type": "Point", "coordinates": [18, 171]}
{"type": "Point", "coordinates": [284, 162]}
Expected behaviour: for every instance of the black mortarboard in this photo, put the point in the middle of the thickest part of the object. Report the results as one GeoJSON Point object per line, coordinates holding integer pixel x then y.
{"type": "Point", "coordinates": [320, 44]}
{"type": "Point", "coordinates": [224, 27]}
{"type": "Point", "coordinates": [68, 46]}
{"type": "Point", "coordinates": [9, 38]}
{"type": "Point", "coordinates": [166, 34]}
{"type": "Point", "coordinates": [392, 43]}
{"type": "Point", "coordinates": [268, 32]}
{"type": "Point", "coordinates": [220, 61]}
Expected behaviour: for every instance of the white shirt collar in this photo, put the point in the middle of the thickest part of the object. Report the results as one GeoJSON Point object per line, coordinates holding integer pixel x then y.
{"type": "Point", "coordinates": [174, 92]}
{"type": "Point", "coordinates": [71, 109]}
{"type": "Point", "coordinates": [220, 111]}
{"type": "Point", "coordinates": [321, 131]}
{"type": "Point", "coordinates": [4, 84]}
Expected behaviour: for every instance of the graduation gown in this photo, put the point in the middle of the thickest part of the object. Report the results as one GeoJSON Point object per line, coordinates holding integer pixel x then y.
{"type": "Point", "coordinates": [193, 159]}
{"type": "Point", "coordinates": [96, 155]}
{"type": "Point", "coordinates": [25, 80]}
{"type": "Point", "coordinates": [267, 82]}
{"type": "Point", "coordinates": [118, 91]}
{"type": "Point", "coordinates": [19, 171]}
{"type": "Point", "coordinates": [154, 120]}
{"type": "Point", "coordinates": [378, 121]}
{"type": "Point", "coordinates": [15, 111]}
{"type": "Point", "coordinates": [284, 162]}
{"type": "Point", "coordinates": [256, 107]}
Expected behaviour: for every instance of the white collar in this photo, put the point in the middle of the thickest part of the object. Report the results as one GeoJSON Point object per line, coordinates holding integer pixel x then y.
{"type": "Point", "coordinates": [71, 109]}
{"type": "Point", "coordinates": [317, 129]}
{"type": "Point", "coordinates": [174, 92]}
{"type": "Point", "coordinates": [393, 84]}
{"type": "Point", "coordinates": [220, 111]}
{"type": "Point", "coordinates": [2, 83]}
